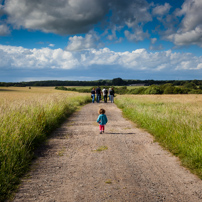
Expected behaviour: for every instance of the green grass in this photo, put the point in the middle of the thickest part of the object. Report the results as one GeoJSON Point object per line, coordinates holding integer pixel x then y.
{"type": "Point", "coordinates": [79, 87]}
{"type": "Point", "coordinates": [109, 181]}
{"type": "Point", "coordinates": [25, 124]}
{"type": "Point", "coordinates": [175, 121]}
{"type": "Point", "coordinates": [101, 148]}
{"type": "Point", "coordinates": [133, 87]}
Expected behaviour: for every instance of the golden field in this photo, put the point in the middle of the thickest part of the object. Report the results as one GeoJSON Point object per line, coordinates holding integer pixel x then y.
{"type": "Point", "coordinates": [27, 117]}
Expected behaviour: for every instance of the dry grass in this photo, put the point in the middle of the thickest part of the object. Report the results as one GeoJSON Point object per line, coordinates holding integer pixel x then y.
{"type": "Point", "coordinates": [27, 117]}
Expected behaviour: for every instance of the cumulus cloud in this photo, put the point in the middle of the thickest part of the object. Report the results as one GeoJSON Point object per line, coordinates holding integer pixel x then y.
{"type": "Point", "coordinates": [190, 28]}
{"type": "Point", "coordinates": [74, 16]}
{"type": "Point", "coordinates": [1, 9]}
{"type": "Point", "coordinates": [153, 40]}
{"type": "Point", "coordinates": [140, 59]}
{"type": "Point", "coordinates": [61, 17]}
{"type": "Point", "coordinates": [78, 43]}
{"type": "Point", "coordinates": [51, 45]}
{"type": "Point", "coordinates": [137, 35]}
{"type": "Point", "coordinates": [113, 35]}
{"type": "Point", "coordinates": [156, 47]}
{"type": "Point", "coordinates": [4, 30]}
{"type": "Point", "coordinates": [162, 9]}
{"type": "Point", "coordinates": [19, 57]}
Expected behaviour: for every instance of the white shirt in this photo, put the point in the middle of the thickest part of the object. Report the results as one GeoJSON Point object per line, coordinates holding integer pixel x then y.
{"type": "Point", "coordinates": [103, 91]}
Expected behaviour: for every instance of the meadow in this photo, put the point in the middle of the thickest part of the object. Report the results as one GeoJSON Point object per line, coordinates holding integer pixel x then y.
{"type": "Point", "coordinates": [174, 120]}
{"type": "Point", "coordinates": [27, 117]}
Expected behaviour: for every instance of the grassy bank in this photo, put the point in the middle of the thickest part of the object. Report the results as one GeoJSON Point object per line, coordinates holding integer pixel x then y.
{"type": "Point", "coordinates": [27, 117]}
{"type": "Point", "coordinates": [174, 120]}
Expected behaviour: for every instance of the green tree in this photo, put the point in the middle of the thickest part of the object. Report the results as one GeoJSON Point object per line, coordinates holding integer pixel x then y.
{"type": "Point", "coordinates": [190, 85]}
{"type": "Point", "coordinates": [118, 82]}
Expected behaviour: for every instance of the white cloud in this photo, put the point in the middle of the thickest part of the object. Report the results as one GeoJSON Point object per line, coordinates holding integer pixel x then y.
{"type": "Point", "coordinates": [187, 38]}
{"type": "Point", "coordinates": [1, 9]}
{"type": "Point", "coordinates": [162, 9]}
{"type": "Point", "coordinates": [113, 35]}
{"type": "Point", "coordinates": [51, 45]}
{"type": "Point", "coordinates": [19, 57]}
{"type": "Point", "coordinates": [199, 66]}
{"type": "Point", "coordinates": [156, 47]}
{"type": "Point", "coordinates": [190, 28]}
{"type": "Point", "coordinates": [138, 35]}
{"type": "Point", "coordinates": [153, 40]}
{"type": "Point", "coordinates": [140, 59]}
{"type": "Point", "coordinates": [4, 30]}
{"type": "Point", "coordinates": [78, 43]}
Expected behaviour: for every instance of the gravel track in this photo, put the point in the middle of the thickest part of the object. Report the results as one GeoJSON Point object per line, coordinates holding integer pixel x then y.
{"type": "Point", "coordinates": [133, 168]}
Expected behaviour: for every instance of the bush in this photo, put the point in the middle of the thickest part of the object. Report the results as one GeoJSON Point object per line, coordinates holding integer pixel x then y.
{"type": "Point", "coordinates": [60, 88]}
{"type": "Point", "coordinates": [153, 89]}
{"type": "Point", "coordinates": [137, 90]}
{"type": "Point", "coordinates": [190, 85]}
{"type": "Point", "coordinates": [169, 90]}
{"type": "Point", "coordinates": [198, 91]}
{"type": "Point", "coordinates": [178, 91]}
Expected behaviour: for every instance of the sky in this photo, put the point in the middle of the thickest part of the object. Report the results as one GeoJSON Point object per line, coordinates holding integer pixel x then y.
{"type": "Point", "coordinates": [100, 39]}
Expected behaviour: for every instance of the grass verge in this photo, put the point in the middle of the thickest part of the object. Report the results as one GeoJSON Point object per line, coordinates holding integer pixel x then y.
{"type": "Point", "coordinates": [174, 120]}
{"type": "Point", "coordinates": [24, 125]}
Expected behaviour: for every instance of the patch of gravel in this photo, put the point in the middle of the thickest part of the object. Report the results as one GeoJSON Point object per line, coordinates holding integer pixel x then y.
{"type": "Point", "coordinates": [131, 168]}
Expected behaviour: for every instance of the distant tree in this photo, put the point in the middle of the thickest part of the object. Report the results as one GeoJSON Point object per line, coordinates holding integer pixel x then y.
{"type": "Point", "coordinates": [118, 82]}
{"type": "Point", "coordinates": [190, 85]}
{"type": "Point", "coordinates": [153, 89]}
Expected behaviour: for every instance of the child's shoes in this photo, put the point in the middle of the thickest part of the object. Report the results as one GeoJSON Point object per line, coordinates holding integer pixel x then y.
{"type": "Point", "coordinates": [100, 132]}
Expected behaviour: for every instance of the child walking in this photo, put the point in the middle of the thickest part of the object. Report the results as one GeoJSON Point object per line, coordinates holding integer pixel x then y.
{"type": "Point", "coordinates": [102, 120]}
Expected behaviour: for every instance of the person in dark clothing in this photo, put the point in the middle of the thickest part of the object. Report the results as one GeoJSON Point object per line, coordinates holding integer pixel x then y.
{"type": "Point", "coordinates": [98, 94]}
{"type": "Point", "coordinates": [93, 95]}
{"type": "Point", "coordinates": [111, 95]}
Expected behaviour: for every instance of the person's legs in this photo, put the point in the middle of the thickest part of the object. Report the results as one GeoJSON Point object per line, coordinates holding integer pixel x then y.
{"type": "Point", "coordinates": [97, 98]}
{"type": "Point", "coordinates": [105, 98]}
{"type": "Point", "coordinates": [101, 129]}
{"type": "Point", "coordinates": [112, 98]}
{"type": "Point", "coordinates": [93, 99]}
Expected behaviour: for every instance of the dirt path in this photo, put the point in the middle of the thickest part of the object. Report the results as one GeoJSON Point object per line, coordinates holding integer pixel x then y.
{"type": "Point", "coordinates": [133, 168]}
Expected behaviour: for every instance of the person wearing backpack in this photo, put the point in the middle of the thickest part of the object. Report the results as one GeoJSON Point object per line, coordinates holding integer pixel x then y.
{"type": "Point", "coordinates": [105, 92]}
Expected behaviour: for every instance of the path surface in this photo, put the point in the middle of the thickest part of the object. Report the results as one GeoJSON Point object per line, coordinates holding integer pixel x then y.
{"type": "Point", "coordinates": [133, 168]}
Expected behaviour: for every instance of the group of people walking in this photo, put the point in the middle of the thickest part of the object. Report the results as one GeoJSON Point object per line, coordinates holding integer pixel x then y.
{"type": "Point", "coordinates": [105, 94]}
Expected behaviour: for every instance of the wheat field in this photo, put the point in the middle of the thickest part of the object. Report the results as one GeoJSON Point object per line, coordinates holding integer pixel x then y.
{"type": "Point", "coordinates": [27, 117]}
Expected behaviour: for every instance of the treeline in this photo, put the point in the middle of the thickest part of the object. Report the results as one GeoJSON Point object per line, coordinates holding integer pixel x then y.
{"type": "Point", "coordinates": [169, 88]}
{"type": "Point", "coordinates": [113, 82]}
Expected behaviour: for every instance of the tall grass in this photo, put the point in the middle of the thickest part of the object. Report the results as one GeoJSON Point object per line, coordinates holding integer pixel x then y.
{"type": "Point", "coordinates": [174, 120]}
{"type": "Point", "coordinates": [24, 124]}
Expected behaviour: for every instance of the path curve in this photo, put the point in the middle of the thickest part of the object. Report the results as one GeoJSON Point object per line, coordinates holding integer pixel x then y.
{"type": "Point", "coordinates": [133, 168]}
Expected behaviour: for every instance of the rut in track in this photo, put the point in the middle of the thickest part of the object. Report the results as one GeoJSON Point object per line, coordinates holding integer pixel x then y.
{"type": "Point", "coordinates": [133, 168]}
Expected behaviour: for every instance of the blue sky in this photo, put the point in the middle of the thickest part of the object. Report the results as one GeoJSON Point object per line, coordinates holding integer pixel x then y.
{"type": "Point", "coordinates": [100, 39]}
